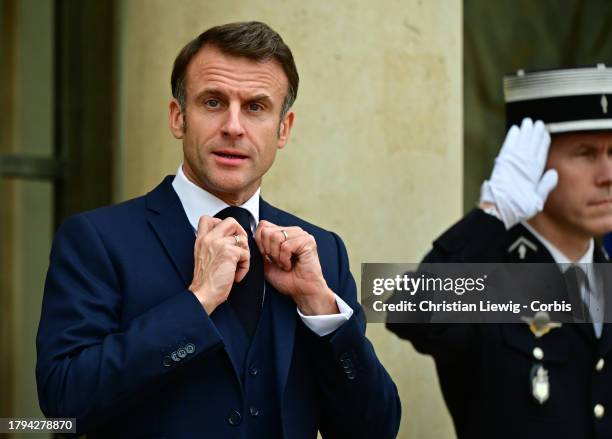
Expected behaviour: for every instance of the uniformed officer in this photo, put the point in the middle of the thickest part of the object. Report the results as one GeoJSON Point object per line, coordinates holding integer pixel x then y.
{"type": "Point", "coordinates": [549, 195]}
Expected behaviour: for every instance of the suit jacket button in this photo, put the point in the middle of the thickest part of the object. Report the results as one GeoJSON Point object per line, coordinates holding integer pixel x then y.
{"type": "Point", "coordinates": [600, 365]}
{"type": "Point", "coordinates": [234, 418]}
{"type": "Point", "coordinates": [350, 375]}
{"type": "Point", "coordinates": [190, 348]}
{"type": "Point", "coordinates": [253, 371]}
{"type": "Point", "coordinates": [599, 411]}
{"type": "Point", "coordinates": [167, 362]}
{"type": "Point", "coordinates": [182, 353]}
{"type": "Point", "coordinates": [175, 357]}
{"type": "Point", "coordinates": [254, 411]}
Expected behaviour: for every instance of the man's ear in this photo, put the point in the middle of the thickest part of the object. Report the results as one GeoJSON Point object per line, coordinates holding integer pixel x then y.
{"type": "Point", "coordinates": [284, 129]}
{"type": "Point", "coordinates": [176, 119]}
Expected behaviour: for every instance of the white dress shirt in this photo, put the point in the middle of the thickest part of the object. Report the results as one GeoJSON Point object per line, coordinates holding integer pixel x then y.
{"type": "Point", "coordinates": [197, 202]}
{"type": "Point", "coordinates": [586, 264]}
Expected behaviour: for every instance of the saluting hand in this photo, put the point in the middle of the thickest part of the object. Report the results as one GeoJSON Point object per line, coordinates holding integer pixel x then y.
{"type": "Point", "coordinates": [518, 186]}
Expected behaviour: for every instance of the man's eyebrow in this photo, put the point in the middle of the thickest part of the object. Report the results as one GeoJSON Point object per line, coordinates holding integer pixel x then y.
{"type": "Point", "coordinates": [260, 97]}
{"type": "Point", "coordinates": [209, 92]}
{"type": "Point", "coordinates": [217, 92]}
{"type": "Point", "coordinates": [586, 145]}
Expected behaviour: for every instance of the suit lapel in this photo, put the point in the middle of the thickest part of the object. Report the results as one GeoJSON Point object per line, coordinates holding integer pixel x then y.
{"type": "Point", "coordinates": [284, 315]}
{"type": "Point", "coordinates": [167, 218]}
{"type": "Point", "coordinates": [169, 221]}
{"type": "Point", "coordinates": [234, 337]}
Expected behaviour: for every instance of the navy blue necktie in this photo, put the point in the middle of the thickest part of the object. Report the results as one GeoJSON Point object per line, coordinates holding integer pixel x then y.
{"type": "Point", "coordinates": [246, 296]}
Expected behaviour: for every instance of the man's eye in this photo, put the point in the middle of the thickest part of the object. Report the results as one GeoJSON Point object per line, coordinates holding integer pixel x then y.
{"type": "Point", "coordinates": [212, 103]}
{"type": "Point", "coordinates": [253, 106]}
{"type": "Point", "coordinates": [589, 153]}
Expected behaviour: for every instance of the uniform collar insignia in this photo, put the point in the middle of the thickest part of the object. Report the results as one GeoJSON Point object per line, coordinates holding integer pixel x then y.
{"type": "Point", "coordinates": [521, 245]}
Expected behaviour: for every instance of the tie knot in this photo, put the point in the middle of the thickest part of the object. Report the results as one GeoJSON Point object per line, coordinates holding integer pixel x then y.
{"type": "Point", "coordinates": [575, 276]}
{"type": "Point", "coordinates": [240, 214]}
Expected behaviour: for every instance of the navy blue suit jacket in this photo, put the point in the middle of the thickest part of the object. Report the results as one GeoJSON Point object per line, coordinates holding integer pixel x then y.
{"type": "Point", "coordinates": [116, 306]}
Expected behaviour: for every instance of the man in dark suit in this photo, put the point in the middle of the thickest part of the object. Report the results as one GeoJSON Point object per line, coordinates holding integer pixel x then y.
{"type": "Point", "coordinates": [199, 310]}
{"type": "Point", "coordinates": [540, 205]}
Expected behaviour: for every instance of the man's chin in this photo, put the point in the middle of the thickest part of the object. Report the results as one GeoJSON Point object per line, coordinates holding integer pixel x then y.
{"type": "Point", "coordinates": [233, 185]}
{"type": "Point", "coordinates": [600, 226]}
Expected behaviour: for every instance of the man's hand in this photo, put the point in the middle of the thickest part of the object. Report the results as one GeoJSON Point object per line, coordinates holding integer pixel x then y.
{"type": "Point", "coordinates": [291, 265]}
{"type": "Point", "coordinates": [518, 186]}
{"type": "Point", "coordinates": [219, 260]}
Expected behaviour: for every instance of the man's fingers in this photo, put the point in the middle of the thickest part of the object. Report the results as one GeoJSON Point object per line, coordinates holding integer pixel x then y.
{"type": "Point", "coordinates": [526, 133]}
{"type": "Point", "coordinates": [259, 235]}
{"type": "Point", "coordinates": [273, 240]}
{"type": "Point", "coordinates": [244, 262]}
{"type": "Point", "coordinates": [547, 183]}
{"type": "Point", "coordinates": [288, 249]}
{"type": "Point", "coordinates": [238, 241]}
{"type": "Point", "coordinates": [280, 242]}
{"type": "Point", "coordinates": [206, 224]}
{"type": "Point", "coordinates": [229, 227]}
{"type": "Point", "coordinates": [543, 142]}
{"type": "Point", "coordinates": [278, 247]}
{"type": "Point", "coordinates": [510, 140]}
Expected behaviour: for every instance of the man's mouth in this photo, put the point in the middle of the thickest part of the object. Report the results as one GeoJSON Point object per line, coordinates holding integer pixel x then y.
{"type": "Point", "coordinates": [229, 157]}
{"type": "Point", "coordinates": [601, 202]}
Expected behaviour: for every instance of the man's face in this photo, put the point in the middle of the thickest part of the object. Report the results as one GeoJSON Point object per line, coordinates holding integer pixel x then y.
{"type": "Point", "coordinates": [232, 125]}
{"type": "Point", "coordinates": [582, 200]}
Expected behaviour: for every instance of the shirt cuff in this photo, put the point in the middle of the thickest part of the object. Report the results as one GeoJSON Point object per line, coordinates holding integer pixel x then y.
{"type": "Point", "coordinates": [326, 324]}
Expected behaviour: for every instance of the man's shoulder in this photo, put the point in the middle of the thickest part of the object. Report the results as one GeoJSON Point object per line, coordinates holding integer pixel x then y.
{"type": "Point", "coordinates": [131, 211]}
{"type": "Point", "coordinates": [468, 237]}
{"type": "Point", "coordinates": [123, 212]}
{"type": "Point", "coordinates": [480, 237]}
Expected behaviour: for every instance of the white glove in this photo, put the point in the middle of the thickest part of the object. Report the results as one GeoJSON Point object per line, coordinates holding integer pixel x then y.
{"type": "Point", "coordinates": [517, 187]}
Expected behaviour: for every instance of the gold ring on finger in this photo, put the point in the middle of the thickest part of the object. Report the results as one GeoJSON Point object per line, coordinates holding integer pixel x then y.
{"type": "Point", "coordinates": [237, 238]}
{"type": "Point", "coordinates": [285, 234]}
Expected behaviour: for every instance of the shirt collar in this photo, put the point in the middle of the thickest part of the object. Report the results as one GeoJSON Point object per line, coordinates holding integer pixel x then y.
{"type": "Point", "coordinates": [197, 202]}
{"type": "Point", "coordinates": [557, 254]}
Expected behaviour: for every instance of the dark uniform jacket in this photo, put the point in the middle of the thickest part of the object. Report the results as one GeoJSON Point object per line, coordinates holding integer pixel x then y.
{"type": "Point", "coordinates": [485, 369]}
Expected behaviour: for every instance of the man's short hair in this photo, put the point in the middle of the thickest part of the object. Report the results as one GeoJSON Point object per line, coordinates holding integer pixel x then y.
{"type": "Point", "coordinates": [253, 40]}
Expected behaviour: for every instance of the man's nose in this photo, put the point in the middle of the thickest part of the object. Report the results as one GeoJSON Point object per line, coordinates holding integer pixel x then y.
{"type": "Point", "coordinates": [232, 126]}
{"type": "Point", "coordinates": [604, 172]}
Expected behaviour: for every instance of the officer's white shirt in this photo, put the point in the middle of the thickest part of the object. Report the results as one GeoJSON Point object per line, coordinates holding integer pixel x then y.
{"type": "Point", "coordinates": [596, 299]}
{"type": "Point", "coordinates": [197, 202]}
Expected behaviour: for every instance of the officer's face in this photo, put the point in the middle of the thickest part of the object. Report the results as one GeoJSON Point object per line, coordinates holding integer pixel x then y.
{"type": "Point", "coordinates": [232, 126]}
{"type": "Point", "coordinates": [582, 201]}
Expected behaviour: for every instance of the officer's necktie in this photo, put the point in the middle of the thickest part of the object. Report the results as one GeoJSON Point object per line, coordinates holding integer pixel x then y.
{"type": "Point", "coordinates": [577, 282]}
{"type": "Point", "coordinates": [246, 296]}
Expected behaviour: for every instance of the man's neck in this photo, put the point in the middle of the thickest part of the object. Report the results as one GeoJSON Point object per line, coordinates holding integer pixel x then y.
{"type": "Point", "coordinates": [568, 240]}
